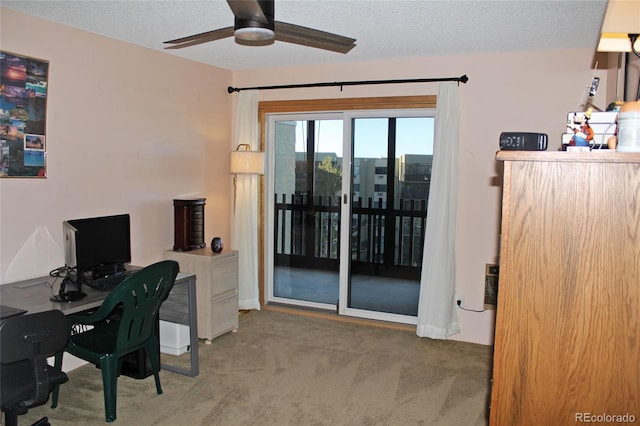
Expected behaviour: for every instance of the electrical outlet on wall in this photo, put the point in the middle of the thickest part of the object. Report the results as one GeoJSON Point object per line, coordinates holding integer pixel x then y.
{"type": "Point", "coordinates": [492, 273]}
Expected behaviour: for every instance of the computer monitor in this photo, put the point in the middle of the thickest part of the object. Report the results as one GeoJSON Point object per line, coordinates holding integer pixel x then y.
{"type": "Point", "coordinates": [97, 246]}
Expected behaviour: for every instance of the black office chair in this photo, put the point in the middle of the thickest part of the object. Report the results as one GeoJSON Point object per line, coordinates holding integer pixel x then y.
{"type": "Point", "coordinates": [26, 341]}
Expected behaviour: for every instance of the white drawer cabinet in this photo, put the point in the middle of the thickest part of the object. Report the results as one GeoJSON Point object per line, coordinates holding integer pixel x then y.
{"type": "Point", "coordinates": [216, 288]}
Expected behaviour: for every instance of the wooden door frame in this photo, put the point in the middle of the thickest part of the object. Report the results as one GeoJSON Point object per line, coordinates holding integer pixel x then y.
{"type": "Point", "coordinates": [317, 105]}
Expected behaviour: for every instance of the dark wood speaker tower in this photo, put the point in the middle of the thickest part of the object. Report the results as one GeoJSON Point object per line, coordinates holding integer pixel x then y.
{"type": "Point", "coordinates": [189, 224]}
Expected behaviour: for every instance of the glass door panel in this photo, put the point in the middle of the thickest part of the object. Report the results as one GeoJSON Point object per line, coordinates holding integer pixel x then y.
{"type": "Point", "coordinates": [390, 178]}
{"type": "Point", "coordinates": [307, 189]}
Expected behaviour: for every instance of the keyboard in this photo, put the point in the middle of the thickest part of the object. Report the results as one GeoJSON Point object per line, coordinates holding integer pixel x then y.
{"type": "Point", "coordinates": [109, 282]}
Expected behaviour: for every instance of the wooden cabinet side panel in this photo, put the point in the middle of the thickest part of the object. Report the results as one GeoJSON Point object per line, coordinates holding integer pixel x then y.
{"type": "Point", "coordinates": [567, 322]}
{"type": "Point", "coordinates": [498, 401]}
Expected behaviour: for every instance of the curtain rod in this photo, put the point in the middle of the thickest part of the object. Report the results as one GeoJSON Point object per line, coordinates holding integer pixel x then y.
{"type": "Point", "coordinates": [462, 79]}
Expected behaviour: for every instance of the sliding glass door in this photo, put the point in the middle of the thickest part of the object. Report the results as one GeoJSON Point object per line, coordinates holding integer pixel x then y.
{"type": "Point", "coordinates": [346, 214]}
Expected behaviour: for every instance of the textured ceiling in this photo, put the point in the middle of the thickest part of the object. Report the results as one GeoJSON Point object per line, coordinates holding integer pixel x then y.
{"type": "Point", "coordinates": [383, 28]}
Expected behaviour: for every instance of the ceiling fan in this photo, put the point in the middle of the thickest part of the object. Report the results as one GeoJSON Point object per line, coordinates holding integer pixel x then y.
{"type": "Point", "coordinates": [255, 26]}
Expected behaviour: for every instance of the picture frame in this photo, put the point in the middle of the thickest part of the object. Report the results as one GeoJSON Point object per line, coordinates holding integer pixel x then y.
{"type": "Point", "coordinates": [23, 112]}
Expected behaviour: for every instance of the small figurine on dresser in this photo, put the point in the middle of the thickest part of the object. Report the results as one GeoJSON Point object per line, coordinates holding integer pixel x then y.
{"type": "Point", "coordinates": [582, 131]}
{"type": "Point", "coordinates": [216, 245]}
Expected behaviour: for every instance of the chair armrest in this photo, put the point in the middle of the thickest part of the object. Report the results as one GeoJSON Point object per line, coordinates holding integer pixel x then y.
{"type": "Point", "coordinates": [91, 316]}
{"type": "Point", "coordinates": [41, 391]}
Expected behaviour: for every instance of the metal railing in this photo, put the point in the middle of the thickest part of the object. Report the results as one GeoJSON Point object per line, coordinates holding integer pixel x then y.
{"type": "Point", "coordinates": [307, 234]}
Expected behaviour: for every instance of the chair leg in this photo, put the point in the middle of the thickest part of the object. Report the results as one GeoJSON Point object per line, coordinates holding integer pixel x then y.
{"type": "Point", "coordinates": [109, 368]}
{"type": "Point", "coordinates": [11, 417]}
{"type": "Point", "coordinates": [151, 349]}
{"type": "Point", "coordinates": [56, 388]}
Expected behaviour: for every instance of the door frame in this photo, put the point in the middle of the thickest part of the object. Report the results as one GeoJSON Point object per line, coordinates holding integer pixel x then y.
{"type": "Point", "coordinates": [317, 105]}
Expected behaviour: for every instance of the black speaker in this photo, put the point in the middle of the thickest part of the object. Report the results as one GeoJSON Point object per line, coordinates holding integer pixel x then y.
{"type": "Point", "coordinates": [523, 141]}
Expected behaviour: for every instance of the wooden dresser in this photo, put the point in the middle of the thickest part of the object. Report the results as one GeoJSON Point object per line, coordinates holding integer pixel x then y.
{"type": "Point", "coordinates": [567, 339]}
{"type": "Point", "coordinates": [216, 288]}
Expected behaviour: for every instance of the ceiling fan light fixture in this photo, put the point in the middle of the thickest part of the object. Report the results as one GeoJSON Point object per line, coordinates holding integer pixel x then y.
{"type": "Point", "coordinates": [254, 33]}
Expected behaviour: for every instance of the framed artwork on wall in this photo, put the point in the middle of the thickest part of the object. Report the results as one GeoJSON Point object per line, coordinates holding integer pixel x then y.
{"type": "Point", "coordinates": [23, 112]}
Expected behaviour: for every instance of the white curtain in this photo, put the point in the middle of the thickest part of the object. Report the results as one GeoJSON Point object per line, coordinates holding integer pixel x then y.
{"type": "Point", "coordinates": [437, 316]}
{"type": "Point", "coordinates": [245, 217]}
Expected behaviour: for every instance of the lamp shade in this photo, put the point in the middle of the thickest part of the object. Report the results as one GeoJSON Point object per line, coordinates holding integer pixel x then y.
{"type": "Point", "coordinates": [615, 42]}
{"type": "Point", "coordinates": [621, 18]}
{"type": "Point", "coordinates": [247, 163]}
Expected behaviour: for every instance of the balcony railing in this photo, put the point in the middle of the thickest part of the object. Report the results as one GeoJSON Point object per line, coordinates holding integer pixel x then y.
{"type": "Point", "coordinates": [307, 234]}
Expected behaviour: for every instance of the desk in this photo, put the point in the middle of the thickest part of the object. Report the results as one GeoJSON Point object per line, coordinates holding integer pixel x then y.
{"type": "Point", "coordinates": [33, 295]}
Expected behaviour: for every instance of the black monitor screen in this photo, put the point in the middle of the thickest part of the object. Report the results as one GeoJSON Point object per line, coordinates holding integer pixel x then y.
{"type": "Point", "coordinates": [101, 245]}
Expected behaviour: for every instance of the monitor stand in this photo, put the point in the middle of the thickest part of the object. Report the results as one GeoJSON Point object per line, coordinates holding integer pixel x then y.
{"type": "Point", "coordinates": [68, 295]}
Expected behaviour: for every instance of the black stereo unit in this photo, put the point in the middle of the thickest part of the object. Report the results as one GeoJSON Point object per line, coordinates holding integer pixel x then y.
{"type": "Point", "coordinates": [523, 141]}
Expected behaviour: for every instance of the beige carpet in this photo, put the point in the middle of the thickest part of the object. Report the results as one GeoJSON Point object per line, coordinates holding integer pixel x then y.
{"type": "Point", "coordinates": [284, 369]}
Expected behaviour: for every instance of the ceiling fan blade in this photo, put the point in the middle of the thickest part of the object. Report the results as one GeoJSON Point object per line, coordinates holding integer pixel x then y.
{"type": "Point", "coordinates": [304, 36]}
{"type": "Point", "coordinates": [251, 10]}
{"type": "Point", "coordinates": [205, 37]}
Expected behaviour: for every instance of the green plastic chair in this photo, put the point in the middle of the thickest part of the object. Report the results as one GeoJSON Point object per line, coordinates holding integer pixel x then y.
{"type": "Point", "coordinates": [124, 323]}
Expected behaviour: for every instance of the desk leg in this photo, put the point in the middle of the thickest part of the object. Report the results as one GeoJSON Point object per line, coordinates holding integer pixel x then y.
{"type": "Point", "coordinates": [193, 327]}
{"type": "Point", "coordinates": [193, 334]}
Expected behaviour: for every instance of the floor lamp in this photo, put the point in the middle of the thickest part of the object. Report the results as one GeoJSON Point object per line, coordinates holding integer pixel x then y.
{"type": "Point", "coordinates": [246, 162]}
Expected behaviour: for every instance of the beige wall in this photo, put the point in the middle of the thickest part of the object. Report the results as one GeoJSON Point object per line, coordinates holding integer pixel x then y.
{"type": "Point", "coordinates": [519, 91]}
{"type": "Point", "coordinates": [128, 130]}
